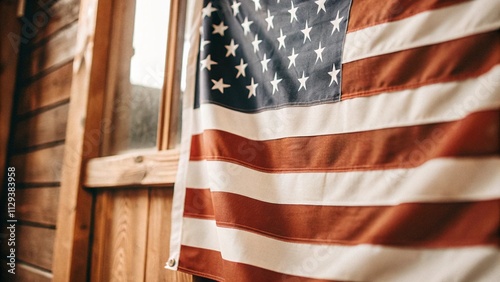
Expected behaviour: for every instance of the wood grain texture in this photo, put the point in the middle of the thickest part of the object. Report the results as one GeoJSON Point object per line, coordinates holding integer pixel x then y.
{"type": "Point", "coordinates": [160, 208]}
{"type": "Point", "coordinates": [169, 120]}
{"type": "Point", "coordinates": [53, 15]}
{"type": "Point", "coordinates": [25, 273]}
{"type": "Point", "coordinates": [50, 89]}
{"type": "Point", "coordinates": [151, 168]}
{"type": "Point", "coordinates": [37, 204]}
{"type": "Point", "coordinates": [55, 52]}
{"type": "Point", "coordinates": [120, 234]}
{"type": "Point", "coordinates": [83, 136]}
{"type": "Point", "coordinates": [34, 245]}
{"type": "Point", "coordinates": [41, 166]}
{"type": "Point", "coordinates": [46, 127]}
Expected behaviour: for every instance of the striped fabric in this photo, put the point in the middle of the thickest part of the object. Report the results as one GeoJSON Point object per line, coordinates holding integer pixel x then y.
{"type": "Point", "coordinates": [399, 181]}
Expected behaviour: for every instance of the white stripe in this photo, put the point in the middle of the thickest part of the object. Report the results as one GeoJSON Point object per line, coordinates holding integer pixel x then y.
{"type": "Point", "coordinates": [357, 263]}
{"type": "Point", "coordinates": [446, 179]}
{"type": "Point", "coordinates": [428, 104]}
{"type": "Point", "coordinates": [423, 29]}
{"type": "Point", "coordinates": [187, 120]}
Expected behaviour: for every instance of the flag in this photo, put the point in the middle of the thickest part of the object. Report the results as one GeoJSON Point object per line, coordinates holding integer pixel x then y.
{"type": "Point", "coordinates": [341, 141]}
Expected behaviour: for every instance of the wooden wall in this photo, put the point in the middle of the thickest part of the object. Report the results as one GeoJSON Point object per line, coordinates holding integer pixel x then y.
{"type": "Point", "coordinates": [37, 137]}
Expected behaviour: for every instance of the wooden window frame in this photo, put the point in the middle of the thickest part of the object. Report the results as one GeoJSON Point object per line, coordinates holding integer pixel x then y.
{"type": "Point", "coordinates": [82, 164]}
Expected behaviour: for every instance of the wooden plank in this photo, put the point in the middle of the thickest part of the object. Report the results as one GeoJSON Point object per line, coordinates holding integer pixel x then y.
{"type": "Point", "coordinates": [120, 234]}
{"type": "Point", "coordinates": [168, 127]}
{"type": "Point", "coordinates": [8, 66]}
{"type": "Point", "coordinates": [46, 127]}
{"type": "Point", "coordinates": [34, 245]}
{"type": "Point", "coordinates": [83, 136]}
{"type": "Point", "coordinates": [50, 89]}
{"type": "Point", "coordinates": [58, 50]}
{"type": "Point", "coordinates": [51, 16]}
{"type": "Point", "coordinates": [24, 273]}
{"type": "Point", "coordinates": [41, 166]}
{"type": "Point", "coordinates": [37, 204]}
{"type": "Point", "coordinates": [160, 208]}
{"type": "Point", "coordinates": [151, 168]}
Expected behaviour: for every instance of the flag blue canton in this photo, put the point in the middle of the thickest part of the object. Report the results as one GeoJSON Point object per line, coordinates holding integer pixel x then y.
{"type": "Point", "coordinates": [262, 54]}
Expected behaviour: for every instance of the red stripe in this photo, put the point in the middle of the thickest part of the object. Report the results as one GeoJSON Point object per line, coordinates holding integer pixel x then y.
{"type": "Point", "coordinates": [365, 13]}
{"type": "Point", "coordinates": [449, 61]}
{"type": "Point", "coordinates": [402, 147]}
{"type": "Point", "coordinates": [190, 258]}
{"type": "Point", "coordinates": [431, 225]}
{"type": "Point", "coordinates": [198, 204]}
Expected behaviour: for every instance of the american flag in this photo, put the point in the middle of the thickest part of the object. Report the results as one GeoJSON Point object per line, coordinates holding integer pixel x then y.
{"type": "Point", "coordinates": [341, 141]}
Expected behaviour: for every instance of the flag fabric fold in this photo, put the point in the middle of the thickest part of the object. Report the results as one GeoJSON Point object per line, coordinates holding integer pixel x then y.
{"type": "Point", "coordinates": [341, 141]}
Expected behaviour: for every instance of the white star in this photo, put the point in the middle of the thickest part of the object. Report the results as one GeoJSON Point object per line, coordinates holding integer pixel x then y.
{"type": "Point", "coordinates": [231, 48]}
{"type": "Point", "coordinates": [246, 25]}
{"type": "Point", "coordinates": [256, 43]}
{"type": "Point", "coordinates": [321, 5]}
{"type": "Point", "coordinates": [269, 20]}
{"type": "Point", "coordinates": [293, 13]}
{"type": "Point", "coordinates": [302, 81]}
{"type": "Point", "coordinates": [251, 88]}
{"type": "Point", "coordinates": [203, 43]}
{"type": "Point", "coordinates": [219, 85]}
{"type": "Point", "coordinates": [319, 53]}
{"type": "Point", "coordinates": [336, 23]}
{"type": "Point", "coordinates": [257, 5]}
{"type": "Point", "coordinates": [275, 82]}
{"type": "Point", "coordinates": [333, 74]}
{"type": "Point", "coordinates": [264, 62]}
{"type": "Point", "coordinates": [241, 69]}
{"type": "Point", "coordinates": [207, 63]}
{"type": "Point", "coordinates": [306, 32]}
{"type": "Point", "coordinates": [236, 7]}
{"type": "Point", "coordinates": [281, 40]}
{"type": "Point", "coordinates": [292, 58]}
{"type": "Point", "coordinates": [219, 28]}
{"type": "Point", "coordinates": [207, 11]}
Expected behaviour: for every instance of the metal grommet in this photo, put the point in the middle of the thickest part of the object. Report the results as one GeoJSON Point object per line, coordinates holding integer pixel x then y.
{"type": "Point", "coordinates": [171, 262]}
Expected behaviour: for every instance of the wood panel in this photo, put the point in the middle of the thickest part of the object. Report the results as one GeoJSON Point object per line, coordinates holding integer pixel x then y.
{"type": "Point", "coordinates": [46, 127]}
{"type": "Point", "coordinates": [34, 245]}
{"type": "Point", "coordinates": [25, 273]}
{"type": "Point", "coordinates": [58, 50]}
{"type": "Point", "coordinates": [37, 204]}
{"type": "Point", "coordinates": [160, 208]}
{"type": "Point", "coordinates": [42, 166]}
{"type": "Point", "coordinates": [83, 136]}
{"type": "Point", "coordinates": [54, 15]}
{"type": "Point", "coordinates": [120, 234]}
{"type": "Point", "coordinates": [8, 66]}
{"type": "Point", "coordinates": [50, 89]}
{"type": "Point", "coordinates": [151, 168]}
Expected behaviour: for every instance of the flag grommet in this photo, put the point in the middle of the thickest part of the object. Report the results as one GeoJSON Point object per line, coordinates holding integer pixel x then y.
{"type": "Point", "coordinates": [171, 262]}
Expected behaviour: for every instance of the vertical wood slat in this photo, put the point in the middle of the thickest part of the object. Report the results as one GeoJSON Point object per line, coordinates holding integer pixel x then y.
{"type": "Point", "coordinates": [160, 208]}
{"type": "Point", "coordinates": [120, 235]}
{"type": "Point", "coordinates": [170, 102]}
{"type": "Point", "coordinates": [71, 249]}
{"type": "Point", "coordinates": [8, 66]}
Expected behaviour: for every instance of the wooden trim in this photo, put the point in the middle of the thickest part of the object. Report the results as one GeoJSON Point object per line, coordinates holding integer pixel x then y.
{"type": "Point", "coordinates": [83, 135]}
{"type": "Point", "coordinates": [148, 168]}
{"type": "Point", "coordinates": [170, 103]}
